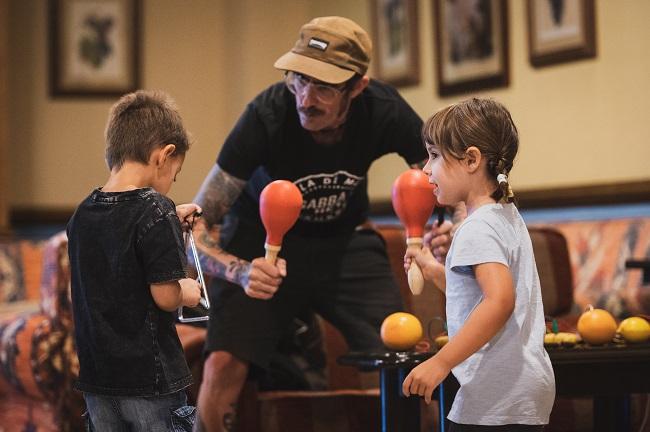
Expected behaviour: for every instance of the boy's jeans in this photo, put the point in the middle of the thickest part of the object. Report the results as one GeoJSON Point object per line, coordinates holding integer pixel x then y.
{"type": "Point", "coordinates": [153, 414]}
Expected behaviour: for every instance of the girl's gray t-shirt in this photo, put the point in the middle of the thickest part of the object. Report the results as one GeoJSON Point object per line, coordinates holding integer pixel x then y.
{"type": "Point", "coordinates": [510, 379]}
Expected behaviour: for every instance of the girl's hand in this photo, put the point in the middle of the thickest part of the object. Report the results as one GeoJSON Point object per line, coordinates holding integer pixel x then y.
{"type": "Point", "coordinates": [425, 377]}
{"type": "Point", "coordinates": [432, 270]}
{"type": "Point", "coordinates": [186, 214]}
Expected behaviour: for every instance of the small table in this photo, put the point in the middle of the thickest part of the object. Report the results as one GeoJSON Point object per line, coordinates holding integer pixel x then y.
{"type": "Point", "coordinates": [398, 412]}
{"type": "Point", "coordinates": [608, 374]}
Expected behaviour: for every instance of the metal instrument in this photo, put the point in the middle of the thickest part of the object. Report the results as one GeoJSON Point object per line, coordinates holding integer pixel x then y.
{"type": "Point", "coordinates": [200, 312]}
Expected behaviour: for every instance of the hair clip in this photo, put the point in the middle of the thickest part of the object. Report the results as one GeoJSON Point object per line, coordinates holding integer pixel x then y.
{"type": "Point", "coordinates": [502, 178]}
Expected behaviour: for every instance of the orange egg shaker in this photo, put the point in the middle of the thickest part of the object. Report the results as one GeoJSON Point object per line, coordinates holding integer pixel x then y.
{"type": "Point", "coordinates": [414, 201]}
{"type": "Point", "coordinates": [280, 204]}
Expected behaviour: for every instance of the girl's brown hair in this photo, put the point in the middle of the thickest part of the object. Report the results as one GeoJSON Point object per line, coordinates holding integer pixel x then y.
{"type": "Point", "coordinates": [483, 123]}
{"type": "Point", "coordinates": [139, 123]}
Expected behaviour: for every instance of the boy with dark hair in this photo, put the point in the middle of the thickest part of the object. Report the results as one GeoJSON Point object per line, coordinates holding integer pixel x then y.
{"type": "Point", "coordinates": [128, 263]}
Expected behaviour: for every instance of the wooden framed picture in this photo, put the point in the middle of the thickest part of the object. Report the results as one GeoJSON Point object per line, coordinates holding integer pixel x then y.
{"type": "Point", "coordinates": [561, 31]}
{"type": "Point", "coordinates": [471, 45]}
{"type": "Point", "coordinates": [94, 47]}
{"type": "Point", "coordinates": [396, 37]}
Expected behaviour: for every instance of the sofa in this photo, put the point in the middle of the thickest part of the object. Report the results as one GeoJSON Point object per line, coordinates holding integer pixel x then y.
{"type": "Point", "coordinates": [579, 263]}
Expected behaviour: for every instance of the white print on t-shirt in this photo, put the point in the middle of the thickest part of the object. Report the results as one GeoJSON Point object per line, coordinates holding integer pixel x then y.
{"type": "Point", "coordinates": [325, 196]}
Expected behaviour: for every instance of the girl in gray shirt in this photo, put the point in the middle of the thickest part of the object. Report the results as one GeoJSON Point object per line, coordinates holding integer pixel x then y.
{"type": "Point", "coordinates": [495, 316]}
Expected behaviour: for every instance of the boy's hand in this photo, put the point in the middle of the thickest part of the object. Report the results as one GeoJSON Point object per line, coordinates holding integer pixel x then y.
{"type": "Point", "coordinates": [186, 214]}
{"type": "Point", "coordinates": [265, 278]}
{"type": "Point", "coordinates": [424, 378]}
{"type": "Point", "coordinates": [190, 292]}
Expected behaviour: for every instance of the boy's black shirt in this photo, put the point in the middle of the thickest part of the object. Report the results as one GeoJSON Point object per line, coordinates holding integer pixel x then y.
{"type": "Point", "coordinates": [119, 244]}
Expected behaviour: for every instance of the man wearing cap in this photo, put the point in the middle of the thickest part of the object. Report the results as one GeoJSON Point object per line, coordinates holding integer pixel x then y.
{"type": "Point", "coordinates": [321, 129]}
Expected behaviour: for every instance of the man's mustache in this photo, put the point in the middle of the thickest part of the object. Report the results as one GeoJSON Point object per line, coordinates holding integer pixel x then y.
{"type": "Point", "coordinates": [311, 111]}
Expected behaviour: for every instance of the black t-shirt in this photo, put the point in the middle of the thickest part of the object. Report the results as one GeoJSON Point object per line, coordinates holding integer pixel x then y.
{"type": "Point", "coordinates": [268, 143]}
{"type": "Point", "coordinates": [119, 244]}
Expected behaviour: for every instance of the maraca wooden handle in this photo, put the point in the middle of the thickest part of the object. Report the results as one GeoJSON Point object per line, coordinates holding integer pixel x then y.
{"type": "Point", "coordinates": [271, 253]}
{"type": "Point", "coordinates": [414, 276]}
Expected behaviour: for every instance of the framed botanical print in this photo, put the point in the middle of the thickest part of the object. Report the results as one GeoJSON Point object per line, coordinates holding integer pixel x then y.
{"type": "Point", "coordinates": [561, 31]}
{"type": "Point", "coordinates": [471, 48]}
{"type": "Point", "coordinates": [94, 47]}
{"type": "Point", "coordinates": [395, 35]}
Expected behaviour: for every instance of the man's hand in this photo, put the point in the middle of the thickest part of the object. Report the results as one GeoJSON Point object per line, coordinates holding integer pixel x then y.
{"type": "Point", "coordinates": [265, 278]}
{"type": "Point", "coordinates": [438, 240]}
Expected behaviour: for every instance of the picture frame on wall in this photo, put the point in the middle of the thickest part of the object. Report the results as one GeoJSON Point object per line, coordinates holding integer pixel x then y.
{"type": "Point", "coordinates": [93, 47]}
{"type": "Point", "coordinates": [471, 45]}
{"type": "Point", "coordinates": [396, 41]}
{"type": "Point", "coordinates": [561, 31]}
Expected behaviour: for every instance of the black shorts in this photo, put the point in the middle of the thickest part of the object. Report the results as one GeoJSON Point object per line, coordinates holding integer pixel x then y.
{"type": "Point", "coordinates": [347, 280]}
{"type": "Point", "coordinates": [455, 427]}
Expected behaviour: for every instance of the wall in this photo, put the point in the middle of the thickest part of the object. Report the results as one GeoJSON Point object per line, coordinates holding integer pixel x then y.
{"type": "Point", "coordinates": [4, 113]}
{"type": "Point", "coordinates": [581, 123]}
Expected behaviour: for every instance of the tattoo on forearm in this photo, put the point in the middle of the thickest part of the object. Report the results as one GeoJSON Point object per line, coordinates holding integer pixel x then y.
{"type": "Point", "coordinates": [212, 267]}
{"type": "Point", "coordinates": [209, 241]}
{"type": "Point", "coordinates": [239, 270]}
{"type": "Point", "coordinates": [217, 194]}
{"type": "Point", "coordinates": [236, 270]}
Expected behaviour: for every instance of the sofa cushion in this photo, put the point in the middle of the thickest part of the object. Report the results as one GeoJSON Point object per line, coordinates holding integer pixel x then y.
{"type": "Point", "coordinates": [20, 271]}
{"type": "Point", "coordinates": [20, 413]}
{"type": "Point", "coordinates": [598, 252]}
{"type": "Point", "coordinates": [554, 269]}
{"type": "Point", "coordinates": [55, 279]}
{"type": "Point", "coordinates": [38, 360]}
{"type": "Point", "coordinates": [27, 360]}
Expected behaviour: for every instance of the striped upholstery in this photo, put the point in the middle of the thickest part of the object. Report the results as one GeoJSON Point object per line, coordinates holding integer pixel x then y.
{"type": "Point", "coordinates": [55, 279]}
{"type": "Point", "coordinates": [20, 271]}
{"type": "Point", "coordinates": [38, 361]}
{"type": "Point", "coordinates": [598, 252]}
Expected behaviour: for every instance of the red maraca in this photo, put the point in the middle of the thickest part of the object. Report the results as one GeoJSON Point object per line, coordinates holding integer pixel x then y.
{"type": "Point", "coordinates": [280, 204]}
{"type": "Point", "coordinates": [413, 201]}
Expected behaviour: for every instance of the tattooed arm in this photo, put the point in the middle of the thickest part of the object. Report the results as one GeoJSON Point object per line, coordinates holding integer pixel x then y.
{"type": "Point", "coordinates": [217, 194]}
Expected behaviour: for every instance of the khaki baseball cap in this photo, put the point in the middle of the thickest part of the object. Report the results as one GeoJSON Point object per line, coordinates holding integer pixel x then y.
{"type": "Point", "coordinates": [329, 49]}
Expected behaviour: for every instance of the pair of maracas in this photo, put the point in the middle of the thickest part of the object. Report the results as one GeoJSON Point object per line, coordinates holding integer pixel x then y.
{"type": "Point", "coordinates": [413, 201]}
